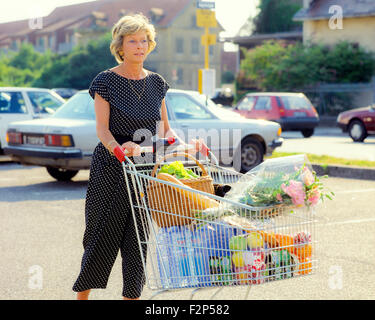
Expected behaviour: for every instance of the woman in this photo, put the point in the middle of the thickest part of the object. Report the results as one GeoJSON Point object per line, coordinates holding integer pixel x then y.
{"type": "Point", "coordinates": [128, 100]}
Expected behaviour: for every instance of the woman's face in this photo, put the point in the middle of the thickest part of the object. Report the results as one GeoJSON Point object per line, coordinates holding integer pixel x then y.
{"type": "Point", "coordinates": [135, 47]}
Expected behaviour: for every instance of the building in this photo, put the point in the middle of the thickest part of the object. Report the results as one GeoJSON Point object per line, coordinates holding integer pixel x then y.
{"type": "Point", "coordinates": [330, 21]}
{"type": "Point", "coordinates": [178, 54]}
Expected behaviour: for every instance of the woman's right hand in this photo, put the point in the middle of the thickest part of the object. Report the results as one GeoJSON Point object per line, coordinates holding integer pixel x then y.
{"type": "Point", "coordinates": [132, 149]}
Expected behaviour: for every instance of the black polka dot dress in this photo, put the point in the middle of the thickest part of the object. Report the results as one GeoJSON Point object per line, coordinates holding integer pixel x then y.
{"type": "Point", "coordinates": [134, 115]}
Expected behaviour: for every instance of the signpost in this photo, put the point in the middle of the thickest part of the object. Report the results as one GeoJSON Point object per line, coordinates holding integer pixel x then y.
{"type": "Point", "coordinates": [206, 18]}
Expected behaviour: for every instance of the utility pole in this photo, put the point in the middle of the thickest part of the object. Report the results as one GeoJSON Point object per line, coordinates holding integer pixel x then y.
{"type": "Point", "coordinates": [206, 19]}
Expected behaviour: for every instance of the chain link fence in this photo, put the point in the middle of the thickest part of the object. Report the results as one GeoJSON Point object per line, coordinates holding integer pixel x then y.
{"type": "Point", "coordinates": [331, 99]}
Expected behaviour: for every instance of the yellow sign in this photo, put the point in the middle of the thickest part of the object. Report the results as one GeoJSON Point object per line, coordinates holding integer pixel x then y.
{"type": "Point", "coordinates": [206, 18]}
{"type": "Point", "coordinates": [208, 39]}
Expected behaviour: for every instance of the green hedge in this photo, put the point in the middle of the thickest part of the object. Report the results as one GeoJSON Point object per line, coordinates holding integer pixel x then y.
{"type": "Point", "coordinates": [276, 66]}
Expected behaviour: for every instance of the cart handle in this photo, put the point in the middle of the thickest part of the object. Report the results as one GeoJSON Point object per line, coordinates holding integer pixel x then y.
{"type": "Point", "coordinates": [173, 155]}
{"type": "Point", "coordinates": [121, 153]}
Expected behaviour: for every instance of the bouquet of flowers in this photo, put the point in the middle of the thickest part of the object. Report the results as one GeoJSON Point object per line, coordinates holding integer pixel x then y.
{"type": "Point", "coordinates": [287, 181]}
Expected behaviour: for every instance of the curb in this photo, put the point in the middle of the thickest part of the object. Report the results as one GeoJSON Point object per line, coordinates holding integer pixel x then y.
{"type": "Point", "coordinates": [344, 171]}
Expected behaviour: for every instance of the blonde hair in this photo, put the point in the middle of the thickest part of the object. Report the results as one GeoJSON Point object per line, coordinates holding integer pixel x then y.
{"type": "Point", "coordinates": [128, 25]}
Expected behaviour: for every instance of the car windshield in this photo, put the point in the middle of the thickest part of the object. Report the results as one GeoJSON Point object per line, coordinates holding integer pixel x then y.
{"type": "Point", "coordinates": [80, 106]}
{"type": "Point", "coordinates": [296, 102]}
{"type": "Point", "coordinates": [44, 102]}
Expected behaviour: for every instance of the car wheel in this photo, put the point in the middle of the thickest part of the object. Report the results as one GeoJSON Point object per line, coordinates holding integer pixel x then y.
{"type": "Point", "coordinates": [307, 133]}
{"type": "Point", "coordinates": [357, 131]}
{"type": "Point", "coordinates": [250, 156]}
{"type": "Point", "coordinates": [61, 174]}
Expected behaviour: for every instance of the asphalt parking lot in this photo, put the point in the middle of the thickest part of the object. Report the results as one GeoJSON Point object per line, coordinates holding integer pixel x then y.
{"type": "Point", "coordinates": [43, 222]}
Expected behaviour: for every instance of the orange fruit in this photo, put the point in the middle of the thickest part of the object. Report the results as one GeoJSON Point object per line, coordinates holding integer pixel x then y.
{"type": "Point", "coordinates": [305, 266]}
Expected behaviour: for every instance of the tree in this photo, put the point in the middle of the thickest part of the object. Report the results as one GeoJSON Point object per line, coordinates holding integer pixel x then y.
{"type": "Point", "coordinates": [277, 16]}
{"type": "Point", "coordinates": [22, 68]}
{"type": "Point", "coordinates": [78, 68]}
{"type": "Point", "coordinates": [275, 66]}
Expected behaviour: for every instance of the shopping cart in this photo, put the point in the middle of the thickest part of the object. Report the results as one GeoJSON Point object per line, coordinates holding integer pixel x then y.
{"type": "Point", "coordinates": [192, 245]}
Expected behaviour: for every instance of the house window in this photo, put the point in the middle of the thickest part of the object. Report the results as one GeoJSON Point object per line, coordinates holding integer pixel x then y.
{"type": "Point", "coordinates": [194, 46]}
{"type": "Point", "coordinates": [179, 45]}
{"type": "Point", "coordinates": [193, 21]}
{"type": "Point", "coordinates": [14, 45]}
{"type": "Point", "coordinates": [180, 76]}
{"type": "Point", "coordinates": [50, 42]}
{"type": "Point", "coordinates": [41, 42]}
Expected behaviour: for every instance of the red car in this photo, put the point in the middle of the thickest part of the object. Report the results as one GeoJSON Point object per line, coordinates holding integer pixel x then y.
{"type": "Point", "coordinates": [293, 111]}
{"type": "Point", "coordinates": [359, 122]}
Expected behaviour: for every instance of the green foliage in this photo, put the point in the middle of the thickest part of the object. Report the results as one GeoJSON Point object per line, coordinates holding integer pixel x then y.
{"type": "Point", "coordinates": [177, 169]}
{"type": "Point", "coordinates": [227, 77]}
{"type": "Point", "coordinates": [275, 66]}
{"type": "Point", "coordinates": [76, 69]}
{"type": "Point", "coordinates": [23, 67]}
{"type": "Point", "coordinates": [277, 16]}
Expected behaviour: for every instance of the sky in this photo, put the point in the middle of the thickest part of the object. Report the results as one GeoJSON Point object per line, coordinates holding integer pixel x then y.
{"type": "Point", "coordinates": [231, 14]}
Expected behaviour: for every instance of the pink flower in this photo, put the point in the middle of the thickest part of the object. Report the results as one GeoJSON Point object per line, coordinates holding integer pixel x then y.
{"type": "Point", "coordinates": [295, 191]}
{"type": "Point", "coordinates": [307, 177]}
{"type": "Point", "coordinates": [314, 197]}
{"type": "Point", "coordinates": [279, 197]}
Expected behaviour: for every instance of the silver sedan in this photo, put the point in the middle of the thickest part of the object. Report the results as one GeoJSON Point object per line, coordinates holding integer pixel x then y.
{"type": "Point", "coordinates": [64, 143]}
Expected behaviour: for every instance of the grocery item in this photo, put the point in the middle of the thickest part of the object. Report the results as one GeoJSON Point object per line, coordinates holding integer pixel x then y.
{"type": "Point", "coordinates": [238, 260]}
{"type": "Point", "coordinates": [303, 252]}
{"type": "Point", "coordinates": [257, 271]}
{"type": "Point", "coordinates": [280, 264]}
{"type": "Point", "coordinates": [305, 266]}
{"type": "Point", "coordinates": [178, 170]}
{"type": "Point", "coordinates": [241, 275]}
{"type": "Point", "coordinates": [220, 270]}
{"type": "Point", "coordinates": [201, 201]}
{"type": "Point", "coordinates": [255, 240]}
{"type": "Point", "coordinates": [238, 243]}
{"type": "Point", "coordinates": [182, 261]}
{"type": "Point", "coordinates": [301, 238]}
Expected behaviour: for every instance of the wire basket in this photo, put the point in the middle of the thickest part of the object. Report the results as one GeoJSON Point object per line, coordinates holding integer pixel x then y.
{"type": "Point", "coordinates": [164, 198]}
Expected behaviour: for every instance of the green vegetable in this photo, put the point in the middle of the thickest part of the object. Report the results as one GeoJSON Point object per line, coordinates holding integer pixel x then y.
{"type": "Point", "coordinates": [177, 169]}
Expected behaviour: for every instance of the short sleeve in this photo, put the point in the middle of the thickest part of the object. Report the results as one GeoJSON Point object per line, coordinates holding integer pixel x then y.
{"type": "Point", "coordinates": [164, 86]}
{"type": "Point", "coordinates": [99, 85]}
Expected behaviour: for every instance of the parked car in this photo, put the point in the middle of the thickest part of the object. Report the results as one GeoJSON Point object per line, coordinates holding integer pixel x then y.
{"type": "Point", "coordinates": [64, 143]}
{"type": "Point", "coordinates": [224, 97]}
{"type": "Point", "coordinates": [359, 122]}
{"type": "Point", "coordinates": [66, 93]}
{"type": "Point", "coordinates": [24, 104]}
{"type": "Point", "coordinates": [293, 111]}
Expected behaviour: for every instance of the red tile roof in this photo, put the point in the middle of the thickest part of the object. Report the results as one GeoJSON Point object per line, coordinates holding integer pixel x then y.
{"type": "Point", "coordinates": [112, 8]}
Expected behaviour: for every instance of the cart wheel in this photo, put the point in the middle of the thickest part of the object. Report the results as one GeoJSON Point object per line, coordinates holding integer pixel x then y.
{"type": "Point", "coordinates": [61, 174]}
